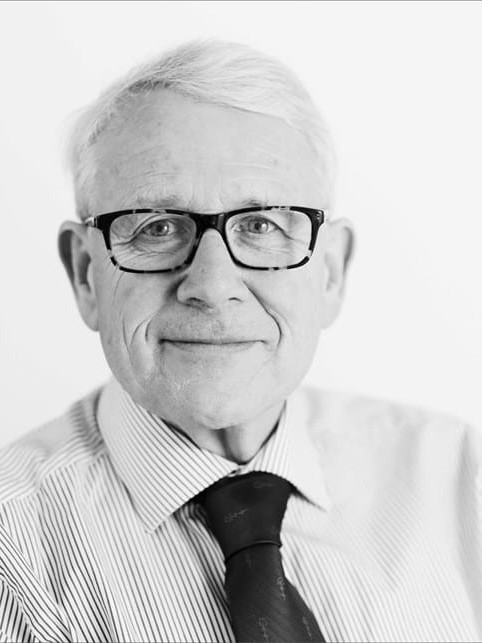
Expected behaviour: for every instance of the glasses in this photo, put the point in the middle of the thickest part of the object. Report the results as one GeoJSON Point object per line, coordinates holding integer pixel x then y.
{"type": "Point", "coordinates": [275, 237]}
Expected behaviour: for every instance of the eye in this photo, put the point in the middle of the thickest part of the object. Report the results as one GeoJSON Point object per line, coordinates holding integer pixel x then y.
{"type": "Point", "coordinates": [159, 228]}
{"type": "Point", "coordinates": [256, 225]}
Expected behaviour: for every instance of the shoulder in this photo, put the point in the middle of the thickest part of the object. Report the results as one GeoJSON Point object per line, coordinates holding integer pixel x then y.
{"type": "Point", "coordinates": [392, 434]}
{"type": "Point", "coordinates": [27, 464]}
{"type": "Point", "coordinates": [328, 407]}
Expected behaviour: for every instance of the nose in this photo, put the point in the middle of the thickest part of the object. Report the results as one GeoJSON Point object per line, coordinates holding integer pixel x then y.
{"type": "Point", "coordinates": [213, 279]}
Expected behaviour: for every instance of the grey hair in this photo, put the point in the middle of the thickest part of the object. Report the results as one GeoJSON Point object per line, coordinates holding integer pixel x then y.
{"type": "Point", "coordinates": [212, 71]}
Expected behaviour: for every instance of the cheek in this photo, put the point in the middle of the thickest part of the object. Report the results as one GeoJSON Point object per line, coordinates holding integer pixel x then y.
{"type": "Point", "coordinates": [296, 303]}
{"type": "Point", "coordinates": [305, 324]}
{"type": "Point", "coordinates": [126, 305]}
{"type": "Point", "coordinates": [303, 301]}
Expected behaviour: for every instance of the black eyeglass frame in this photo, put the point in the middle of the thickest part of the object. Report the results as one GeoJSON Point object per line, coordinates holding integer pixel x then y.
{"type": "Point", "coordinates": [205, 222]}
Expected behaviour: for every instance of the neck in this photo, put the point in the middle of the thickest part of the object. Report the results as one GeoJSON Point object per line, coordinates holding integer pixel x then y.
{"type": "Point", "coordinates": [239, 442]}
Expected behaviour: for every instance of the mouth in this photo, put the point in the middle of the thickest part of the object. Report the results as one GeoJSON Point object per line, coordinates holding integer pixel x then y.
{"type": "Point", "coordinates": [212, 345]}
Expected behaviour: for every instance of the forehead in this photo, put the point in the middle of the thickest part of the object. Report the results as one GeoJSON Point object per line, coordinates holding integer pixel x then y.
{"type": "Point", "coordinates": [165, 147]}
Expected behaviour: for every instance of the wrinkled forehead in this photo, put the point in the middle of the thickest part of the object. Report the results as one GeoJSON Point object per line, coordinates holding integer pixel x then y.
{"type": "Point", "coordinates": [166, 146]}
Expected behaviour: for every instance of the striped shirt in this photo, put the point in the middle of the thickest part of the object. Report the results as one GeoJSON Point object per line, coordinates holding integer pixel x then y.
{"type": "Point", "coordinates": [101, 540]}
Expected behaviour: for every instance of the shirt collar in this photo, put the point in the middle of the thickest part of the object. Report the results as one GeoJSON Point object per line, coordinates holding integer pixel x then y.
{"type": "Point", "coordinates": [163, 469]}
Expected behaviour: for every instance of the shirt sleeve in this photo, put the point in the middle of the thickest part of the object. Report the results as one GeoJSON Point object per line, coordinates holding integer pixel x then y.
{"type": "Point", "coordinates": [14, 625]}
{"type": "Point", "coordinates": [28, 614]}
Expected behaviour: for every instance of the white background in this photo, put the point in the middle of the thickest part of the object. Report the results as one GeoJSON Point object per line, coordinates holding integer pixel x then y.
{"type": "Point", "coordinates": [400, 85]}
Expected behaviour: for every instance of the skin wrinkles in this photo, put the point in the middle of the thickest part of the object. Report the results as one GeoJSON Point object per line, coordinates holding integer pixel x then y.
{"type": "Point", "coordinates": [270, 158]}
{"type": "Point", "coordinates": [155, 175]}
{"type": "Point", "coordinates": [258, 166]}
{"type": "Point", "coordinates": [129, 339]}
{"type": "Point", "coordinates": [161, 193]}
{"type": "Point", "coordinates": [117, 281]}
{"type": "Point", "coordinates": [130, 343]}
{"type": "Point", "coordinates": [208, 158]}
{"type": "Point", "coordinates": [118, 277]}
{"type": "Point", "coordinates": [142, 324]}
{"type": "Point", "coordinates": [126, 345]}
{"type": "Point", "coordinates": [150, 169]}
{"type": "Point", "coordinates": [278, 197]}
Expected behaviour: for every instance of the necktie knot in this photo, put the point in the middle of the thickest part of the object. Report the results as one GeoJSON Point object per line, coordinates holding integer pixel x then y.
{"type": "Point", "coordinates": [245, 515]}
{"type": "Point", "coordinates": [246, 510]}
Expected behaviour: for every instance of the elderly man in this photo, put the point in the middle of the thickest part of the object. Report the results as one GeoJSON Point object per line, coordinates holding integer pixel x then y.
{"type": "Point", "coordinates": [156, 507]}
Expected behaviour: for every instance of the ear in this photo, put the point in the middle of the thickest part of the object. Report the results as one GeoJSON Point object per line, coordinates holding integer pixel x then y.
{"type": "Point", "coordinates": [339, 250]}
{"type": "Point", "coordinates": [76, 255]}
{"type": "Point", "coordinates": [339, 253]}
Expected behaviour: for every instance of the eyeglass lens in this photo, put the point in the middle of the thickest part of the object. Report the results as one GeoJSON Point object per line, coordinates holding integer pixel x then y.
{"type": "Point", "coordinates": [162, 241]}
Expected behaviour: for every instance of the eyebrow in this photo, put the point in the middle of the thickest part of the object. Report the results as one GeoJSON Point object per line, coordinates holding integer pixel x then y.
{"type": "Point", "coordinates": [172, 201]}
{"type": "Point", "coordinates": [162, 202]}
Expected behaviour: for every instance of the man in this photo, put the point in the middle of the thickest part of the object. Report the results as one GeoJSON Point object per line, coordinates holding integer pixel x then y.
{"type": "Point", "coordinates": [154, 509]}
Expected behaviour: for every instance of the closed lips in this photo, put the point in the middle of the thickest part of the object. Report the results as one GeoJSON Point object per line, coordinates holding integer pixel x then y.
{"type": "Point", "coordinates": [211, 344]}
{"type": "Point", "coordinates": [216, 341]}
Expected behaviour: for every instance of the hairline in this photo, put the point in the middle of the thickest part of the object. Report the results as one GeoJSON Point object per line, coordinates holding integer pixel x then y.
{"type": "Point", "coordinates": [96, 117]}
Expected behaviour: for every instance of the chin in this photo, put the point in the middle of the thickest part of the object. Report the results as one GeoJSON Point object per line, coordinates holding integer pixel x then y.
{"type": "Point", "coordinates": [210, 395]}
{"type": "Point", "coordinates": [211, 409]}
{"type": "Point", "coordinates": [209, 403]}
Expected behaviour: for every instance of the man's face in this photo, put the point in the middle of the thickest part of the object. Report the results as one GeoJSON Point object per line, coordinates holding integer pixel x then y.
{"type": "Point", "coordinates": [215, 344]}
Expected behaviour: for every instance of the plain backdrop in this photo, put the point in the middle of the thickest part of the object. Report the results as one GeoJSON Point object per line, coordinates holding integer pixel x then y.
{"type": "Point", "coordinates": [400, 86]}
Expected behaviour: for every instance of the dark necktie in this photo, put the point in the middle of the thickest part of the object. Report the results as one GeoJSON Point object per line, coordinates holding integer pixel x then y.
{"type": "Point", "coordinates": [245, 514]}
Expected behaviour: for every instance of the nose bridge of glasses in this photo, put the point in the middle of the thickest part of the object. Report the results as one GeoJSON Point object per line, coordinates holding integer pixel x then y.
{"type": "Point", "coordinates": [205, 222]}
{"type": "Point", "coordinates": [209, 221]}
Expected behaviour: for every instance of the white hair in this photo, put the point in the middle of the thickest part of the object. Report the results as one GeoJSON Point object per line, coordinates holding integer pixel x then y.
{"type": "Point", "coordinates": [217, 72]}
